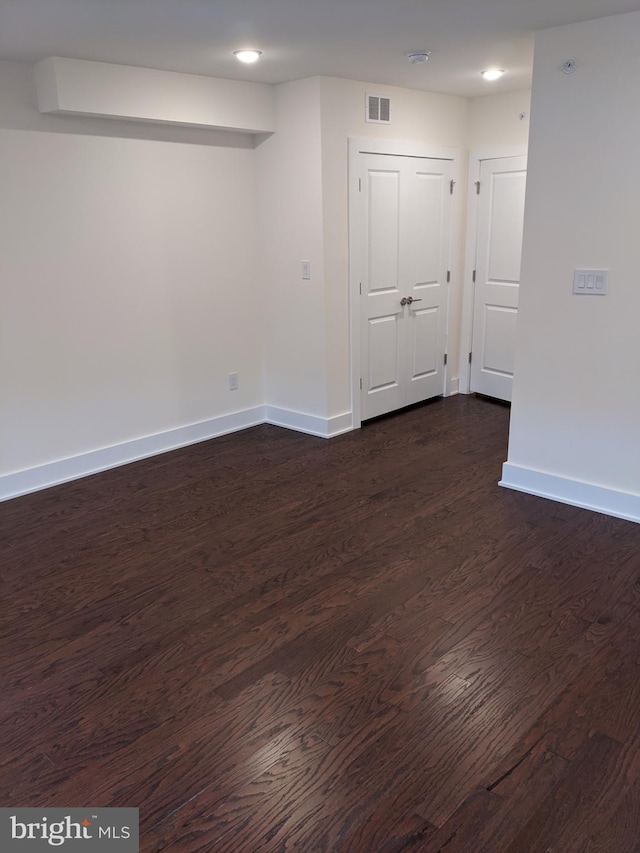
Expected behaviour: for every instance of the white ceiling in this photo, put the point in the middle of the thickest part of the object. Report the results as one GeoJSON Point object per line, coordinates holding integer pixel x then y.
{"type": "Point", "coordinates": [358, 39]}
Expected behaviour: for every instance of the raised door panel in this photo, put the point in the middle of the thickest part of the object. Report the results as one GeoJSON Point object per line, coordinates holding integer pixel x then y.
{"type": "Point", "coordinates": [506, 220]}
{"type": "Point", "coordinates": [497, 354]}
{"type": "Point", "coordinates": [382, 382]}
{"type": "Point", "coordinates": [427, 227]}
{"type": "Point", "coordinates": [384, 369]}
{"type": "Point", "coordinates": [383, 263]}
{"type": "Point", "coordinates": [424, 350]}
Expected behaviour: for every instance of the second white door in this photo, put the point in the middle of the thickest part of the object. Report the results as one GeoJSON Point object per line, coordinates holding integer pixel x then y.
{"type": "Point", "coordinates": [498, 254]}
{"type": "Point", "coordinates": [405, 225]}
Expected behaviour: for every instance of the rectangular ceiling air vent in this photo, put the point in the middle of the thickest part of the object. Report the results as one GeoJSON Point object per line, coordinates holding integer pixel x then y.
{"type": "Point", "coordinates": [378, 110]}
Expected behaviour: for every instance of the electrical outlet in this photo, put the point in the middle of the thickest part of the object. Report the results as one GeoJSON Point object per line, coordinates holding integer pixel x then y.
{"type": "Point", "coordinates": [233, 382]}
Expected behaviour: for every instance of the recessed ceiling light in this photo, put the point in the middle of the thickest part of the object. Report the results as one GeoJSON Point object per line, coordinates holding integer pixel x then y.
{"type": "Point", "coordinates": [492, 73]}
{"type": "Point", "coordinates": [416, 57]}
{"type": "Point", "coordinates": [248, 55]}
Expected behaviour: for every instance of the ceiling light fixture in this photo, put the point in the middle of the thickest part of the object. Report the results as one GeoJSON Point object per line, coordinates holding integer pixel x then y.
{"type": "Point", "coordinates": [417, 57]}
{"type": "Point", "coordinates": [248, 55]}
{"type": "Point", "coordinates": [492, 73]}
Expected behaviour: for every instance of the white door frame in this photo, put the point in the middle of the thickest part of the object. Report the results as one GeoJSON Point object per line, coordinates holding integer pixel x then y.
{"type": "Point", "coordinates": [406, 149]}
{"type": "Point", "coordinates": [476, 157]}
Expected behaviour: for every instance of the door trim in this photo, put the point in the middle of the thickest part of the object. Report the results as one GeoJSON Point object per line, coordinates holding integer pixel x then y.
{"type": "Point", "coordinates": [495, 152]}
{"type": "Point", "coordinates": [358, 146]}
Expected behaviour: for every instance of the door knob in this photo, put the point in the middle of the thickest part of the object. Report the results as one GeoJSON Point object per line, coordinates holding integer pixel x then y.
{"type": "Point", "coordinates": [405, 300]}
{"type": "Point", "coordinates": [411, 300]}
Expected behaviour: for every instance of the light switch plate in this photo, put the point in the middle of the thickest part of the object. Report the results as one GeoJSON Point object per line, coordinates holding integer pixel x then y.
{"type": "Point", "coordinates": [590, 282]}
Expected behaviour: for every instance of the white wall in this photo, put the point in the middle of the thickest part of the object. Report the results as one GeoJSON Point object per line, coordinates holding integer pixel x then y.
{"type": "Point", "coordinates": [576, 408]}
{"type": "Point", "coordinates": [495, 120]}
{"type": "Point", "coordinates": [430, 119]}
{"type": "Point", "coordinates": [290, 217]}
{"type": "Point", "coordinates": [128, 275]}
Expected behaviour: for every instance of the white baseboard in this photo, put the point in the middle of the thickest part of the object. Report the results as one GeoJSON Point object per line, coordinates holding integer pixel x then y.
{"type": "Point", "coordinates": [339, 424]}
{"type": "Point", "coordinates": [453, 387]}
{"type": "Point", "coordinates": [310, 424]}
{"type": "Point", "coordinates": [73, 468]}
{"type": "Point", "coordinates": [573, 492]}
{"type": "Point", "coordinates": [85, 464]}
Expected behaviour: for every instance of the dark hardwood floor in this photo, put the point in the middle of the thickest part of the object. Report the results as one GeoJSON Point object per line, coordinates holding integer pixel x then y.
{"type": "Point", "coordinates": [274, 642]}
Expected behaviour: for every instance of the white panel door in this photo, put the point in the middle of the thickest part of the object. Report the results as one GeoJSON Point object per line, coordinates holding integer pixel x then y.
{"type": "Point", "coordinates": [499, 250]}
{"type": "Point", "coordinates": [404, 255]}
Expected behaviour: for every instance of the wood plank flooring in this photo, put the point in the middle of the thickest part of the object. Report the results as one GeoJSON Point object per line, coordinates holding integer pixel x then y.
{"type": "Point", "coordinates": [274, 642]}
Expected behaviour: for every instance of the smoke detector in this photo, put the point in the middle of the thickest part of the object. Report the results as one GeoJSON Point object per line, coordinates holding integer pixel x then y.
{"type": "Point", "coordinates": [417, 57]}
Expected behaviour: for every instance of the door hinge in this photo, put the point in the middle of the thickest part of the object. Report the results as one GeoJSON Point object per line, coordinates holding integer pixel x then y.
{"type": "Point", "coordinates": [361, 384]}
{"type": "Point", "coordinates": [473, 277]}
{"type": "Point", "coordinates": [452, 184]}
{"type": "Point", "coordinates": [360, 288]}
{"type": "Point", "coordinates": [469, 358]}
{"type": "Point", "coordinates": [445, 359]}
{"type": "Point", "coordinates": [359, 185]}
{"type": "Point", "coordinates": [477, 187]}
{"type": "Point", "coordinates": [448, 276]}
